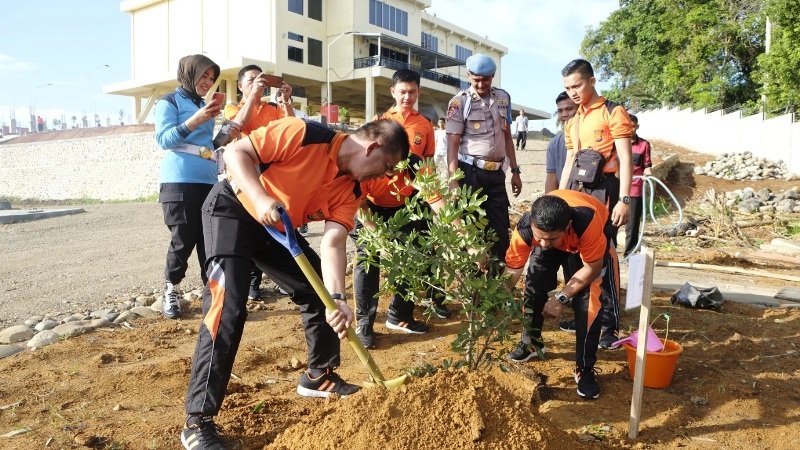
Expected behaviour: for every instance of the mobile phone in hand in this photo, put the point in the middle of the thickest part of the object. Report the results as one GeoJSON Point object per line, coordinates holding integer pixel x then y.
{"type": "Point", "coordinates": [218, 98]}
{"type": "Point", "coordinates": [273, 80]}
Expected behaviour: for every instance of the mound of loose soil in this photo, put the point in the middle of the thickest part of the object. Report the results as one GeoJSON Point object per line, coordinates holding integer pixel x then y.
{"type": "Point", "coordinates": [452, 409]}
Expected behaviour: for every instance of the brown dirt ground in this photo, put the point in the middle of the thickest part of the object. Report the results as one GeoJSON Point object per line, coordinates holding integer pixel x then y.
{"type": "Point", "coordinates": [736, 387]}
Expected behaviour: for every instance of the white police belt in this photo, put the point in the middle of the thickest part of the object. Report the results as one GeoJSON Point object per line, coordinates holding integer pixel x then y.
{"type": "Point", "coordinates": [491, 166]}
{"type": "Point", "coordinates": [196, 150]}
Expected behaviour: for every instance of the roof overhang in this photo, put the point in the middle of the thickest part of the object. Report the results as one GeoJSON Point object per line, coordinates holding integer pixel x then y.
{"type": "Point", "coordinates": [429, 59]}
{"type": "Point", "coordinates": [165, 82]}
{"type": "Point", "coordinates": [532, 113]}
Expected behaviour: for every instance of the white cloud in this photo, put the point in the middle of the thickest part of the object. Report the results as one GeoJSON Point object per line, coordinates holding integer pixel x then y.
{"type": "Point", "coordinates": [547, 29]}
{"type": "Point", "coordinates": [10, 64]}
{"type": "Point", "coordinates": [541, 36]}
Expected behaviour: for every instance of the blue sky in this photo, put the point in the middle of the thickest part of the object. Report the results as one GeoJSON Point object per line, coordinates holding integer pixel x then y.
{"type": "Point", "coordinates": [58, 42]}
{"type": "Point", "coordinates": [64, 43]}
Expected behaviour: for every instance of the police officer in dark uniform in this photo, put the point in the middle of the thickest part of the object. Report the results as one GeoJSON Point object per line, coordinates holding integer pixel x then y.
{"type": "Point", "coordinates": [479, 142]}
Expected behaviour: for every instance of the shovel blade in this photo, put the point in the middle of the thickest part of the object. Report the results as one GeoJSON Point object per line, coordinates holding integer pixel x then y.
{"type": "Point", "coordinates": [389, 385]}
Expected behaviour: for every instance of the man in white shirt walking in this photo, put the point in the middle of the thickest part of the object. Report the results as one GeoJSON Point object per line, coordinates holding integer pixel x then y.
{"type": "Point", "coordinates": [522, 130]}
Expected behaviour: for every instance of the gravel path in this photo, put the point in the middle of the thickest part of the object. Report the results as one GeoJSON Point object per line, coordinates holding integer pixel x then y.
{"type": "Point", "coordinates": [113, 251]}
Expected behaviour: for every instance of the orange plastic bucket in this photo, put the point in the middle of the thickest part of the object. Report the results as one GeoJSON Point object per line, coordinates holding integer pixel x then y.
{"type": "Point", "coordinates": [659, 367]}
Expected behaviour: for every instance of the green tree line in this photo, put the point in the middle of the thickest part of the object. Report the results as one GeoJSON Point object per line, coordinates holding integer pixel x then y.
{"type": "Point", "coordinates": [704, 53]}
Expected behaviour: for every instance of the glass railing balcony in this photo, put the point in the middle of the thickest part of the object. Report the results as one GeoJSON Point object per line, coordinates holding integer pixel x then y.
{"type": "Point", "coordinates": [393, 64]}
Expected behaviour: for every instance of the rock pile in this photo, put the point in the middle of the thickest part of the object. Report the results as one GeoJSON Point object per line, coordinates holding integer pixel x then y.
{"type": "Point", "coordinates": [743, 166]}
{"type": "Point", "coordinates": [40, 331]}
{"type": "Point", "coordinates": [749, 200]}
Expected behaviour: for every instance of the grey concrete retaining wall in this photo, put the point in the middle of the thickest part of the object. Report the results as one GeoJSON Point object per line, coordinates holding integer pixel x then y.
{"type": "Point", "coordinates": [121, 167]}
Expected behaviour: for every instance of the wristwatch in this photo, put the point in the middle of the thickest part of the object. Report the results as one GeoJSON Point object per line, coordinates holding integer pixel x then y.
{"type": "Point", "coordinates": [339, 296]}
{"type": "Point", "coordinates": [562, 298]}
{"type": "Point", "coordinates": [516, 170]}
{"type": "Point", "coordinates": [625, 199]}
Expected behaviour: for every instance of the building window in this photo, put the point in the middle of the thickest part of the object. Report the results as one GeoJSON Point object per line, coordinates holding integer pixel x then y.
{"type": "Point", "coordinates": [462, 53]}
{"type": "Point", "coordinates": [296, 6]}
{"type": "Point", "coordinates": [315, 52]}
{"type": "Point", "coordinates": [295, 54]}
{"type": "Point", "coordinates": [315, 9]}
{"type": "Point", "coordinates": [388, 17]}
{"type": "Point", "coordinates": [430, 42]}
{"type": "Point", "coordinates": [388, 53]}
{"type": "Point", "coordinates": [295, 37]}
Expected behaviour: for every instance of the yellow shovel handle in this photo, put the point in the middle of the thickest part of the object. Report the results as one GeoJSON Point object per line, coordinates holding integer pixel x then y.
{"type": "Point", "coordinates": [354, 341]}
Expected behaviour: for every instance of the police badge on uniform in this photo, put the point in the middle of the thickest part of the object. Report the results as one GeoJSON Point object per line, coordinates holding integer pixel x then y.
{"type": "Point", "coordinates": [598, 135]}
{"type": "Point", "coordinates": [417, 138]}
{"type": "Point", "coordinates": [453, 107]}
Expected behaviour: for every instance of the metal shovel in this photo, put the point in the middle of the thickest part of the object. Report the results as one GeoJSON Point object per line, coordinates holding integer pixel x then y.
{"type": "Point", "coordinates": [288, 240]}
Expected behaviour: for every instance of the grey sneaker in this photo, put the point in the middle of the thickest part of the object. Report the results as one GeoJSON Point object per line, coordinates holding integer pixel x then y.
{"type": "Point", "coordinates": [201, 433]}
{"type": "Point", "coordinates": [526, 352]}
{"type": "Point", "coordinates": [366, 336]}
{"type": "Point", "coordinates": [411, 326]}
{"type": "Point", "coordinates": [325, 385]}
{"type": "Point", "coordinates": [170, 304]}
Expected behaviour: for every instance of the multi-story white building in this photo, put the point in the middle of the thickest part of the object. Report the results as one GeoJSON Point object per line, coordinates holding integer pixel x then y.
{"type": "Point", "coordinates": [338, 52]}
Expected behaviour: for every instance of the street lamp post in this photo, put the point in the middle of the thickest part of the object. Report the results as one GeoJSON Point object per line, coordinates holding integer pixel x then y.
{"type": "Point", "coordinates": [328, 92]}
{"type": "Point", "coordinates": [94, 100]}
{"type": "Point", "coordinates": [34, 117]}
{"type": "Point", "coordinates": [328, 70]}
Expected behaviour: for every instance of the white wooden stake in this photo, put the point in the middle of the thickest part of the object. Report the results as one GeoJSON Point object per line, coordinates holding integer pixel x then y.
{"type": "Point", "coordinates": [641, 350]}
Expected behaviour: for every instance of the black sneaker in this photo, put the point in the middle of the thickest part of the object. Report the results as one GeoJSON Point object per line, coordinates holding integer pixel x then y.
{"type": "Point", "coordinates": [201, 433]}
{"type": "Point", "coordinates": [366, 336]}
{"type": "Point", "coordinates": [326, 385]}
{"type": "Point", "coordinates": [254, 294]}
{"type": "Point", "coordinates": [587, 384]}
{"type": "Point", "coordinates": [438, 310]}
{"type": "Point", "coordinates": [526, 352]}
{"type": "Point", "coordinates": [567, 325]}
{"type": "Point", "coordinates": [608, 339]}
{"type": "Point", "coordinates": [410, 326]}
{"type": "Point", "coordinates": [303, 230]}
{"type": "Point", "coordinates": [441, 311]}
{"type": "Point", "coordinates": [170, 303]}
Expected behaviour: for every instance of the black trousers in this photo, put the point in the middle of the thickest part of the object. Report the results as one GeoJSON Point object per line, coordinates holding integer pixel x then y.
{"type": "Point", "coordinates": [589, 304]}
{"type": "Point", "coordinates": [366, 283]}
{"type": "Point", "coordinates": [522, 138]}
{"type": "Point", "coordinates": [634, 224]}
{"type": "Point", "coordinates": [496, 204]}
{"type": "Point", "coordinates": [607, 192]}
{"type": "Point", "coordinates": [235, 242]}
{"type": "Point", "coordinates": [181, 204]}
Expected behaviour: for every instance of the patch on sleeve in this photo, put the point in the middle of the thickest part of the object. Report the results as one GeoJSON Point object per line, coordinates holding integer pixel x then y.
{"type": "Point", "coordinates": [417, 138]}
{"type": "Point", "coordinates": [453, 107]}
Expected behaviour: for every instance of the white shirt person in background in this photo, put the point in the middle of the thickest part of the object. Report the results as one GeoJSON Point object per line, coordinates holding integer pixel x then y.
{"type": "Point", "coordinates": [522, 130]}
{"type": "Point", "coordinates": [279, 99]}
{"type": "Point", "coordinates": [440, 155]}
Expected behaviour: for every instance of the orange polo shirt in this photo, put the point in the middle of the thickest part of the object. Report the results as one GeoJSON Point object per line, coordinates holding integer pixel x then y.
{"type": "Point", "coordinates": [299, 169]}
{"type": "Point", "coordinates": [584, 235]}
{"type": "Point", "coordinates": [263, 114]}
{"type": "Point", "coordinates": [392, 192]}
{"type": "Point", "coordinates": [599, 126]}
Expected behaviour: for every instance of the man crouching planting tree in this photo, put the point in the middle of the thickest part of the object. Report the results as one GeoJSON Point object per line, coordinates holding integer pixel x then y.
{"type": "Point", "coordinates": [444, 258]}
